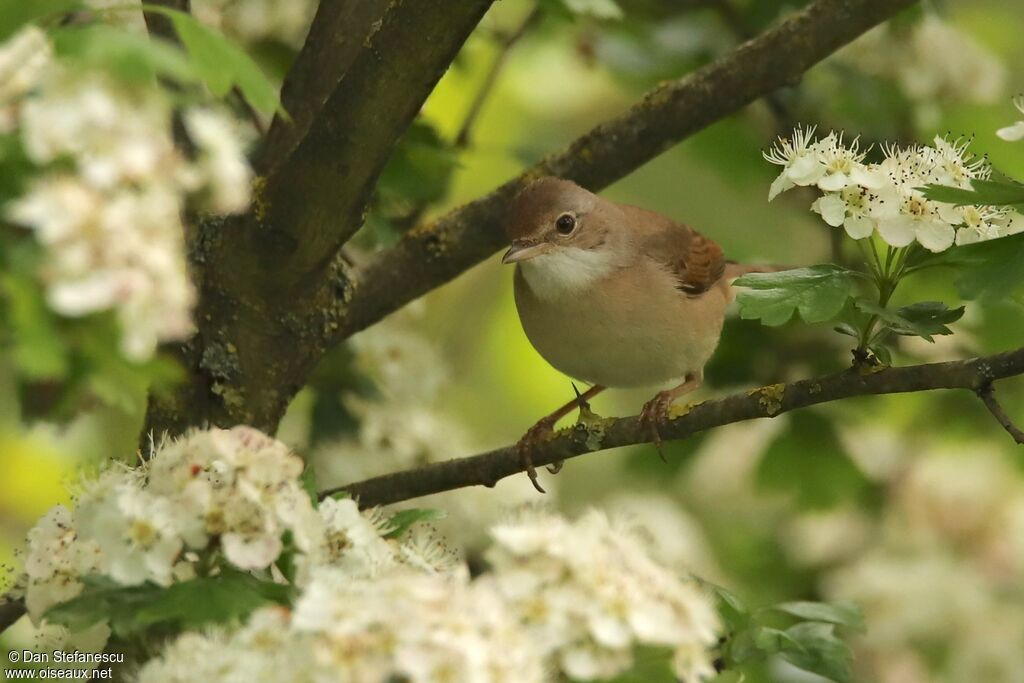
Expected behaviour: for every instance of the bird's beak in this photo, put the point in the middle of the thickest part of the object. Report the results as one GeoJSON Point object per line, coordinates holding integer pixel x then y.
{"type": "Point", "coordinates": [522, 251]}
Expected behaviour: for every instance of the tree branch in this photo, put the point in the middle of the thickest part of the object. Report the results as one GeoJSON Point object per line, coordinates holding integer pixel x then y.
{"type": "Point", "coordinates": [488, 468]}
{"type": "Point", "coordinates": [336, 37]}
{"type": "Point", "coordinates": [987, 395]}
{"type": "Point", "coordinates": [434, 254]}
{"type": "Point", "coordinates": [314, 200]}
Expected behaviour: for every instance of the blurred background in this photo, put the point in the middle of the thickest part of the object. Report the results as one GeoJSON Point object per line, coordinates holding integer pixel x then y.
{"type": "Point", "coordinates": [912, 506]}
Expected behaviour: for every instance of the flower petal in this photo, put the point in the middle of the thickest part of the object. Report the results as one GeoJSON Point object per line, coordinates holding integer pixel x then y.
{"type": "Point", "coordinates": [935, 235]}
{"type": "Point", "coordinates": [897, 231]}
{"type": "Point", "coordinates": [832, 209]}
{"type": "Point", "coordinates": [859, 227]}
{"type": "Point", "coordinates": [1012, 133]}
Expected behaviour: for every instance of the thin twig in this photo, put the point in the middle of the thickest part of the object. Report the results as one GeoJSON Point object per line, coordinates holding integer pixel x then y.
{"type": "Point", "coordinates": [464, 135]}
{"type": "Point", "coordinates": [462, 138]}
{"type": "Point", "coordinates": [488, 468]}
{"type": "Point", "coordinates": [987, 394]}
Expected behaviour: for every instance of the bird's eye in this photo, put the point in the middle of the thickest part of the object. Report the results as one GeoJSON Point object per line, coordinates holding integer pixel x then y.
{"type": "Point", "coordinates": [565, 224]}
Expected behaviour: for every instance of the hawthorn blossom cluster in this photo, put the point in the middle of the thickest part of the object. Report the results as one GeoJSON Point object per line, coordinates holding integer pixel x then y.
{"type": "Point", "coordinates": [372, 603]}
{"type": "Point", "coordinates": [886, 197]}
{"type": "Point", "coordinates": [236, 487]}
{"type": "Point", "coordinates": [588, 593]}
{"type": "Point", "coordinates": [405, 626]}
{"type": "Point", "coordinates": [109, 187]}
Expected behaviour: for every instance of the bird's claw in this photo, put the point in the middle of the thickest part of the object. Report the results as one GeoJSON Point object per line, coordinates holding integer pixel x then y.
{"type": "Point", "coordinates": [526, 445]}
{"type": "Point", "coordinates": [654, 413]}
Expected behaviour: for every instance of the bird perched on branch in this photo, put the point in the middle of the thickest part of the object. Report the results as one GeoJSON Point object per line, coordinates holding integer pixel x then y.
{"type": "Point", "coordinates": [614, 295]}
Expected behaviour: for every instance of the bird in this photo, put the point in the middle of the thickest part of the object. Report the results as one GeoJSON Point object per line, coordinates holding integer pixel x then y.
{"type": "Point", "coordinates": [615, 296]}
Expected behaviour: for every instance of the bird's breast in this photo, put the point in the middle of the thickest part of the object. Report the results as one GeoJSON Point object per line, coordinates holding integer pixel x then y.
{"type": "Point", "coordinates": [631, 328]}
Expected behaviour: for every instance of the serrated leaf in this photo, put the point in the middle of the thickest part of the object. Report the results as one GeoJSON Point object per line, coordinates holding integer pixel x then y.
{"type": "Point", "coordinates": [818, 293]}
{"type": "Point", "coordinates": [186, 605]}
{"type": "Point", "coordinates": [989, 269]}
{"type": "Point", "coordinates": [983, 193]}
{"type": "Point", "coordinates": [808, 461]}
{"type": "Point", "coordinates": [14, 14]}
{"type": "Point", "coordinates": [403, 519]}
{"type": "Point", "coordinates": [127, 55]}
{"type": "Point", "coordinates": [820, 651]}
{"type": "Point", "coordinates": [192, 604]}
{"type": "Point", "coordinates": [732, 610]}
{"type": "Point", "coordinates": [923, 319]}
{"type": "Point", "coordinates": [839, 613]}
{"type": "Point", "coordinates": [221, 64]}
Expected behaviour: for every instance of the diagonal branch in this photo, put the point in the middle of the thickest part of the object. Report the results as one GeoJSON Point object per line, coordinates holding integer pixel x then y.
{"type": "Point", "coordinates": [313, 200]}
{"type": "Point", "coordinates": [987, 394]}
{"type": "Point", "coordinates": [335, 39]}
{"type": "Point", "coordinates": [488, 468]}
{"type": "Point", "coordinates": [434, 254]}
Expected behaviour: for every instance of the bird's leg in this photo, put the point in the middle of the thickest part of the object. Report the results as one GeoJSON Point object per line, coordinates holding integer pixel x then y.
{"type": "Point", "coordinates": [544, 426]}
{"type": "Point", "coordinates": [584, 405]}
{"type": "Point", "coordinates": [655, 411]}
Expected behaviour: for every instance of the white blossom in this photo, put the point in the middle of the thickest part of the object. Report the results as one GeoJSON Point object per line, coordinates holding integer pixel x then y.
{"type": "Point", "coordinates": [1016, 131]}
{"type": "Point", "coordinates": [55, 561]}
{"type": "Point", "coordinates": [886, 197]}
{"type": "Point", "coordinates": [589, 592]}
{"type": "Point", "coordinates": [23, 60]}
{"type": "Point", "coordinates": [110, 187]}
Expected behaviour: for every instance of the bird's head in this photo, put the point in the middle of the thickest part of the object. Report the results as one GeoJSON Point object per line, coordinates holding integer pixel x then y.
{"type": "Point", "coordinates": [562, 236]}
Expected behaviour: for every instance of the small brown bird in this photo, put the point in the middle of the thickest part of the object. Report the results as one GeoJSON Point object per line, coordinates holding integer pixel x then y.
{"type": "Point", "coordinates": [615, 296]}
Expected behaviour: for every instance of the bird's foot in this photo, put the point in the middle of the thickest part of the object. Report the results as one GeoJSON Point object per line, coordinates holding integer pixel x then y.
{"type": "Point", "coordinates": [653, 414]}
{"type": "Point", "coordinates": [534, 436]}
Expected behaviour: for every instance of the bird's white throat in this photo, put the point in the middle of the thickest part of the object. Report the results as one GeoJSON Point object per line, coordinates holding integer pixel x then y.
{"type": "Point", "coordinates": [566, 271]}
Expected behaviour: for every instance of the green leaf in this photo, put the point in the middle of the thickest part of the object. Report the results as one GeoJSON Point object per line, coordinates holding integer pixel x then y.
{"type": "Point", "coordinates": [37, 348]}
{"type": "Point", "coordinates": [983, 193]}
{"type": "Point", "coordinates": [186, 605]}
{"type": "Point", "coordinates": [221, 64]}
{"type": "Point", "coordinates": [732, 610]}
{"type": "Point", "coordinates": [839, 613]}
{"type": "Point", "coordinates": [819, 651]}
{"type": "Point", "coordinates": [818, 293]}
{"type": "Point", "coordinates": [403, 519]}
{"type": "Point", "coordinates": [990, 269]}
{"type": "Point", "coordinates": [808, 461]}
{"type": "Point", "coordinates": [205, 600]}
{"type": "Point", "coordinates": [130, 56]}
{"type": "Point", "coordinates": [923, 319]}
{"type": "Point", "coordinates": [16, 13]}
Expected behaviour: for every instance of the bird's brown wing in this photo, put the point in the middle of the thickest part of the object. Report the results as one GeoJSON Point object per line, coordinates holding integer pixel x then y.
{"type": "Point", "coordinates": [697, 261]}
